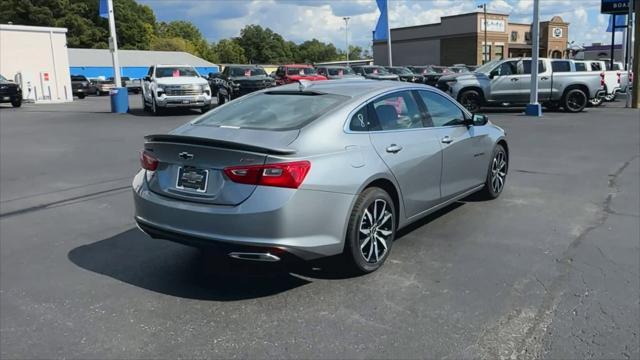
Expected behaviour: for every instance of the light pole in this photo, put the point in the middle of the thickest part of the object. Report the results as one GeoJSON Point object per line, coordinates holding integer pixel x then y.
{"type": "Point", "coordinates": [534, 108]}
{"type": "Point", "coordinates": [484, 47]}
{"type": "Point", "coordinates": [346, 35]}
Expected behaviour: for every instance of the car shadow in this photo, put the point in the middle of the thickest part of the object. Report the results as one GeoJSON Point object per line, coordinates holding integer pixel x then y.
{"type": "Point", "coordinates": [165, 112]}
{"type": "Point", "coordinates": [177, 270]}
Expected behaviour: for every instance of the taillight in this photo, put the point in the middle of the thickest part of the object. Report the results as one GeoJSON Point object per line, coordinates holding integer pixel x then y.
{"type": "Point", "coordinates": [148, 161]}
{"type": "Point", "coordinates": [618, 75]}
{"type": "Point", "coordinates": [287, 175]}
{"type": "Point", "coordinates": [602, 83]}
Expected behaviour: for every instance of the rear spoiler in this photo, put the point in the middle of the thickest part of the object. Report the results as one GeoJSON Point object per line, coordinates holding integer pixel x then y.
{"type": "Point", "coordinates": [194, 140]}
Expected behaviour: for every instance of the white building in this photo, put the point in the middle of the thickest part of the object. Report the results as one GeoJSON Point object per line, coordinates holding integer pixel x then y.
{"type": "Point", "coordinates": [36, 58]}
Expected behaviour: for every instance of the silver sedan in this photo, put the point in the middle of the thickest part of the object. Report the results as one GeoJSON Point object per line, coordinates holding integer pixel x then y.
{"type": "Point", "coordinates": [316, 169]}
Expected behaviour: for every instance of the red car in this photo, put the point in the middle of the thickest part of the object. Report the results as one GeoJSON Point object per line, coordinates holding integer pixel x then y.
{"type": "Point", "coordinates": [287, 74]}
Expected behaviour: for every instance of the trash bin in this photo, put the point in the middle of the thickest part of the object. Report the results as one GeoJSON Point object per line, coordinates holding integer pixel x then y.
{"type": "Point", "coordinates": [119, 100]}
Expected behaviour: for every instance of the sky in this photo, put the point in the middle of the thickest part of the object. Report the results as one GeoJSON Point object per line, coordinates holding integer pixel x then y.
{"type": "Point", "coordinates": [300, 20]}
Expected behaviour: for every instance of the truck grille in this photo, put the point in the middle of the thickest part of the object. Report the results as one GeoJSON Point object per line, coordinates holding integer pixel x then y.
{"type": "Point", "coordinates": [182, 92]}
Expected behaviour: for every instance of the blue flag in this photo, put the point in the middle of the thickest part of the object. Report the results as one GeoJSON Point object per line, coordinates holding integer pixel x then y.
{"type": "Point", "coordinates": [621, 20]}
{"type": "Point", "coordinates": [103, 9]}
{"type": "Point", "coordinates": [382, 28]}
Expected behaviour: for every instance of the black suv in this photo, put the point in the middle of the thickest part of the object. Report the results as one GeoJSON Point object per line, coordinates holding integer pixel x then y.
{"type": "Point", "coordinates": [80, 86]}
{"type": "Point", "coordinates": [10, 92]}
{"type": "Point", "coordinates": [237, 80]}
{"type": "Point", "coordinates": [374, 72]}
{"type": "Point", "coordinates": [430, 73]}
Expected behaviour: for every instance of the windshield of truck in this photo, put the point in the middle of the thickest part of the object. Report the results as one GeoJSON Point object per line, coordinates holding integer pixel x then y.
{"type": "Point", "coordinates": [275, 110]}
{"type": "Point", "coordinates": [340, 71]}
{"type": "Point", "coordinates": [175, 71]}
{"type": "Point", "coordinates": [246, 71]}
{"type": "Point", "coordinates": [400, 71]}
{"type": "Point", "coordinates": [375, 70]}
{"type": "Point", "coordinates": [301, 71]}
{"type": "Point", "coordinates": [486, 68]}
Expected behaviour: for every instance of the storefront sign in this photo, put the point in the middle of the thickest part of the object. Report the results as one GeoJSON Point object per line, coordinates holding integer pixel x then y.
{"type": "Point", "coordinates": [492, 25]}
{"type": "Point", "coordinates": [614, 6]}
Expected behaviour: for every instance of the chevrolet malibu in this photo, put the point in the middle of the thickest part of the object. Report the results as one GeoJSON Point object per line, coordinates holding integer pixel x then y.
{"type": "Point", "coordinates": [316, 169]}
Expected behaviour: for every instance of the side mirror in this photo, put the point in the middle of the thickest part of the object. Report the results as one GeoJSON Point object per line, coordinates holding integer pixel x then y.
{"type": "Point", "coordinates": [479, 120]}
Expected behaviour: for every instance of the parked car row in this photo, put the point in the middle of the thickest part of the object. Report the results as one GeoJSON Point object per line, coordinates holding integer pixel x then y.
{"type": "Point", "coordinates": [82, 86]}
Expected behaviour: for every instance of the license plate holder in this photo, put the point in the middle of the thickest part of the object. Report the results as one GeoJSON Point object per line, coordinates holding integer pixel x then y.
{"type": "Point", "coordinates": [190, 178]}
{"type": "Point", "coordinates": [186, 101]}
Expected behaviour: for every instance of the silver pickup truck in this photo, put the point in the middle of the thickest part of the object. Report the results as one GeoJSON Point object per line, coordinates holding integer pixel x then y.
{"type": "Point", "coordinates": [508, 83]}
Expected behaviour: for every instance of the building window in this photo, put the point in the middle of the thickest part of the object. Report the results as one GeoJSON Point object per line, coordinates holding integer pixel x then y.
{"type": "Point", "coordinates": [527, 36]}
{"type": "Point", "coordinates": [514, 36]}
{"type": "Point", "coordinates": [499, 52]}
{"type": "Point", "coordinates": [486, 53]}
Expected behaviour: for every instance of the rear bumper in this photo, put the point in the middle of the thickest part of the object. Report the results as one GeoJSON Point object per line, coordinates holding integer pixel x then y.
{"type": "Point", "coordinates": [10, 97]}
{"type": "Point", "coordinates": [306, 223]}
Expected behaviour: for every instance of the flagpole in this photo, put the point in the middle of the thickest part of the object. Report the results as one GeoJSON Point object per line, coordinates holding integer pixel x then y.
{"type": "Point", "coordinates": [388, 35]}
{"type": "Point", "coordinates": [113, 45]}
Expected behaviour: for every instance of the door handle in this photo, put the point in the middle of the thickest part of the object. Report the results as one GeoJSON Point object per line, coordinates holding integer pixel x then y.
{"type": "Point", "coordinates": [514, 79]}
{"type": "Point", "coordinates": [446, 140]}
{"type": "Point", "coordinates": [544, 78]}
{"type": "Point", "coordinates": [393, 148]}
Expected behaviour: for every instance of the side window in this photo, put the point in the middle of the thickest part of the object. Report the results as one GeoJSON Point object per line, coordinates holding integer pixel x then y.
{"type": "Point", "coordinates": [360, 120]}
{"type": "Point", "coordinates": [581, 67]}
{"type": "Point", "coordinates": [397, 111]}
{"type": "Point", "coordinates": [526, 67]}
{"type": "Point", "coordinates": [560, 66]}
{"type": "Point", "coordinates": [441, 110]}
{"type": "Point", "coordinates": [506, 68]}
{"type": "Point", "coordinates": [595, 66]}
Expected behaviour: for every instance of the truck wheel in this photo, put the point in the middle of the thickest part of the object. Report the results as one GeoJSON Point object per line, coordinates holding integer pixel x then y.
{"type": "Point", "coordinates": [16, 103]}
{"type": "Point", "coordinates": [222, 99]}
{"type": "Point", "coordinates": [575, 100]}
{"type": "Point", "coordinates": [596, 102]}
{"type": "Point", "coordinates": [610, 97]}
{"type": "Point", "coordinates": [205, 108]}
{"type": "Point", "coordinates": [81, 96]}
{"type": "Point", "coordinates": [471, 100]}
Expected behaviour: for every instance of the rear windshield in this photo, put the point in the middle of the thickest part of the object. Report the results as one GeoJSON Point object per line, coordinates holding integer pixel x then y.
{"type": "Point", "coordinates": [78, 78]}
{"type": "Point", "coordinates": [375, 70]}
{"type": "Point", "coordinates": [272, 111]}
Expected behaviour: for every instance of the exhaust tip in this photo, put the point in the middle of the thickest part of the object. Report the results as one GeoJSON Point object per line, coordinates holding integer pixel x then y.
{"type": "Point", "coordinates": [267, 257]}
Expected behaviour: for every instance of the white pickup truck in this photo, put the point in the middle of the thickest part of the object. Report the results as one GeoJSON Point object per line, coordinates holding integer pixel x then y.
{"type": "Point", "coordinates": [615, 81]}
{"type": "Point", "coordinates": [175, 86]}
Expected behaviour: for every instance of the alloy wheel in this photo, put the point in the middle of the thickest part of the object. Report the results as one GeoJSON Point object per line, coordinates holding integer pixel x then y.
{"type": "Point", "coordinates": [376, 231]}
{"type": "Point", "coordinates": [576, 100]}
{"type": "Point", "coordinates": [498, 172]}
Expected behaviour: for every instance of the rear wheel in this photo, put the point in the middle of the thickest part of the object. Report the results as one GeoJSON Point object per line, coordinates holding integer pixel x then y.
{"type": "Point", "coordinates": [16, 103]}
{"type": "Point", "coordinates": [575, 100]}
{"type": "Point", "coordinates": [610, 97]}
{"type": "Point", "coordinates": [596, 101]}
{"type": "Point", "coordinates": [496, 174]}
{"type": "Point", "coordinates": [205, 108]}
{"type": "Point", "coordinates": [222, 99]}
{"type": "Point", "coordinates": [372, 229]}
{"type": "Point", "coordinates": [471, 100]}
{"type": "Point", "coordinates": [81, 96]}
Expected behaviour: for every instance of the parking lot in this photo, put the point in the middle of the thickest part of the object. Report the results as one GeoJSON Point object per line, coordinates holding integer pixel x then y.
{"type": "Point", "coordinates": [549, 270]}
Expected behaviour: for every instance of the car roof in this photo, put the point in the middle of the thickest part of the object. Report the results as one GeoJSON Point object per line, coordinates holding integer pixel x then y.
{"type": "Point", "coordinates": [297, 65]}
{"type": "Point", "coordinates": [355, 88]}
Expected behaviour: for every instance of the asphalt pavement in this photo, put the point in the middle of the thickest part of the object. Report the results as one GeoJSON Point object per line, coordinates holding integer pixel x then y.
{"type": "Point", "coordinates": [551, 269]}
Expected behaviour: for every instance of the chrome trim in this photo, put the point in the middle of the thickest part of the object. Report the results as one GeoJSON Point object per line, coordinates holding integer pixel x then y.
{"type": "Point", "coordinates": [267, 257]}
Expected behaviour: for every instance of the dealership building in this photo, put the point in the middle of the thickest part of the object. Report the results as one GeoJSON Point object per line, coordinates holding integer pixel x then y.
{"type": "Point", "coordinates": [460, 39]}
{"type": "Point", "coordinates": [97, 63]}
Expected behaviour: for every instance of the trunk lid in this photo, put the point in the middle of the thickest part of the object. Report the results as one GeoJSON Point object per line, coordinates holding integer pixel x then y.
{"type": "Point", "coordinates": [192, 159]}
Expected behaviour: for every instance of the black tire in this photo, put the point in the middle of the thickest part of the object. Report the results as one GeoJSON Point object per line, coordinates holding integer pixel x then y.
{"type": "Point", "coordinates": [596, 101]}
{"type": "Point", "coordinates": [16, 103]}
{"type": "Point", "coordinates": [490, 191]}
{"type": "Point", "coordinates": [471, 100]}
{"type": "Point", "coordinates": [222, 99]}
{"type": "Point", "coordinates": [574, 100]}
{"type": "Point", "coordinates": [81, 96]}
{"type": "Point", "coordinates": [359, 251]}
{"type": "Point", "coordinates": [145, 107]}
{"type": "Point", "coordinates": [205, 108]}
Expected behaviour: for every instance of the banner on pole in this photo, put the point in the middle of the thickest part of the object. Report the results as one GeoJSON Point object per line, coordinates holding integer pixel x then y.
{"type": "Point", "coordinates": [103, 9]}
{"type": "Point", "coordinates": [382, 27]}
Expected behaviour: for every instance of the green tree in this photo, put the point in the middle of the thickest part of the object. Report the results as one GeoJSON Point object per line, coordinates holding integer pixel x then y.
{"type": "Point", "coordinates": [229, 52]}
{"type": "Point", "coordinates": [182, 29]}
{"type": "Point", "coordinates": [314, 50]}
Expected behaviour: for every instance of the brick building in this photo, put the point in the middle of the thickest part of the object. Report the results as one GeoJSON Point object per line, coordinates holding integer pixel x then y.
{"type": "Point", "coordinates": [460, 39]}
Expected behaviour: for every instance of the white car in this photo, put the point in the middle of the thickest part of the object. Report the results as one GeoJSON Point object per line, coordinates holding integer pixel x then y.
{"type": "Point", "coordinates": [174, 86]}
